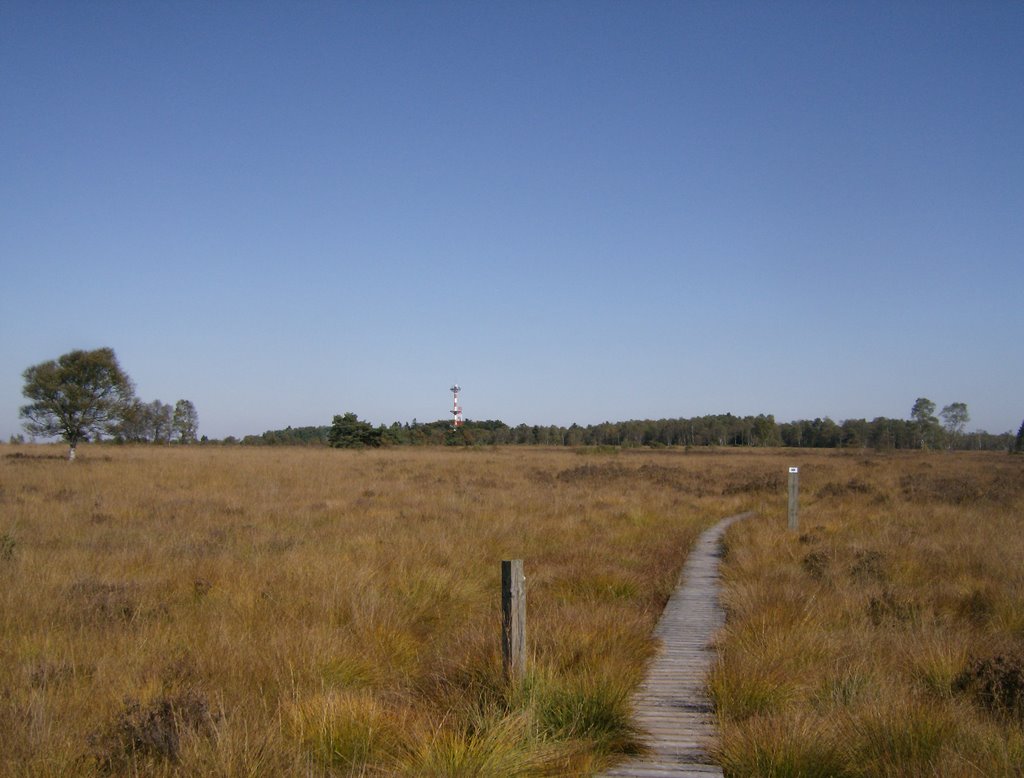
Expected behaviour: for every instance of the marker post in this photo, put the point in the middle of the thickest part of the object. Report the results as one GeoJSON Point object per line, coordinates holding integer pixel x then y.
{"type": "Point", "coordinates": [794, 498]}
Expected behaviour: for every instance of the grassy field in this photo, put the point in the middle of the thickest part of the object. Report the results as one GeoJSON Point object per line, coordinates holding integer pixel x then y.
{"type": "Point", "coordinates": [307, 611]}
{"type": "Point", "coordinates": [212, 611]}
{"type": "Point", "coordinates": [887, 636]}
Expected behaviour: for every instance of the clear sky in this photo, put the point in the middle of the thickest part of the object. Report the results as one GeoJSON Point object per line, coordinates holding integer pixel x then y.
{"type": "Point", "coordinates": [580, 211]}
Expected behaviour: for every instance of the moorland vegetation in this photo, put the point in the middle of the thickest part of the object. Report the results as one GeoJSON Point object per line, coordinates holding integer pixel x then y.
{"type": "Point", "coordinates": [205, 610]}
{"type": "Point", "coordinates": [886, 636]}
{"type": "Point", "coordinates": [196, 610]}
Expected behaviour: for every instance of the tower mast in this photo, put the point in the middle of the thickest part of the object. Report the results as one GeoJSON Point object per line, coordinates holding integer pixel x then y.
{"type": "Point", "coordinates": [456, 408]}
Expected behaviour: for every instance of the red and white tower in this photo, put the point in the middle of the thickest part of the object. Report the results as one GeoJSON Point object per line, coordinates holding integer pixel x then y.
{"type": "Point", "coordinates": [456, 408]}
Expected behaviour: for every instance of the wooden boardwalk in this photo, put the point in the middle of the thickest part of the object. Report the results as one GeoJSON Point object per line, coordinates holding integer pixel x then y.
{"type": "Point", "coordinates": [671, 705]}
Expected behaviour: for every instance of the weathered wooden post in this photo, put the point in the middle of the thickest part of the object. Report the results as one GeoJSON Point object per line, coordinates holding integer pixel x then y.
{"type": "Point", "coordinates": [513, 619]}
{"type": "Point", "coordinates": [794, 498]}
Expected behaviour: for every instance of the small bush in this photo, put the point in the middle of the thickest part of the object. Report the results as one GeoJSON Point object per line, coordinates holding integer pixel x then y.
{"type": "Point", "coordinates": [995, 684]}
{"type": "Point", "coordinates": [150, 732]}
{"type": "Point", "coordinates": [6, 547]}
{"type": "Point", "coordinates": [815, 564]}
{"type": "Point", "coordinates": [868, 566]}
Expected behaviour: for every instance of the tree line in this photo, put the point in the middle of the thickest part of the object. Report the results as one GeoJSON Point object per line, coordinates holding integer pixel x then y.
{"type": "Point", "coordinates": [83, 396]}
{"type": "Point", "coordinates": [922, 430]}
{"type": "Point", "coordinates": [86, 395]}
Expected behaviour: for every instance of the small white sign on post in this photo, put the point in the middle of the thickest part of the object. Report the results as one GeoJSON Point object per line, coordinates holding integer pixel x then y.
{"type": "Point", "coordinates": [794, 495]}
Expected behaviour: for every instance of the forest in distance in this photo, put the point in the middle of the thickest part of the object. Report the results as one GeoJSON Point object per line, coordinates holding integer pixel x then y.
{"type": "Point", "coordinates": [86, 396]}
{"type": "Point", "coordinates": [881, 433]}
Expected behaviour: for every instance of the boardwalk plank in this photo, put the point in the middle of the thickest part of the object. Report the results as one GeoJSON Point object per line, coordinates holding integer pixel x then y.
{"type": "Point", "coordinates": [671, 705]}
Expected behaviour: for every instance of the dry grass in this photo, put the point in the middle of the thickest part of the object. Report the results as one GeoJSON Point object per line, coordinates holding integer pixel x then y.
{"type": "Point", "coordinates": [887, 637]}
{"type": "Point", "coordinates": [208, 611]}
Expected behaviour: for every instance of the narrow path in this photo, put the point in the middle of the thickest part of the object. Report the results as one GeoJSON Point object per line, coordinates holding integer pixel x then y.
{"type": "Point", "coordinates": [671, 704]}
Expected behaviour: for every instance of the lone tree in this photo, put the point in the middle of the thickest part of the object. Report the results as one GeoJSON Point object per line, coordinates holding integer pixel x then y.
{"type": "Point", "coordinates": [923, 414]}
{"type": "Point", "coordinates": [1018, 444]}
{"type": "Point", "coordinates": [955, 418]}
{"type": "Point", "coordinates": [161, 419]}
{"type": "Point", "coordinates": [185, 422]}
{"type": "Point", "coordinates": [349, 432]}
{"type": "Point", "coordinates": [79, 394]}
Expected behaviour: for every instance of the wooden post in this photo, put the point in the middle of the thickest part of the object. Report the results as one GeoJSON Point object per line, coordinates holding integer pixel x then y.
{"type": "Point", "coordinates": [513, 619]}
{"type": "Point", "coordinates": [794, 498]}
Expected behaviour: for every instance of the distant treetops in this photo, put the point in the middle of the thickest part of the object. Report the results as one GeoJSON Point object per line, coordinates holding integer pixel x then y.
{"type": "Point", "coordinates": [922, 430]}
{"type": "Point", "coordinates": [83, 395]}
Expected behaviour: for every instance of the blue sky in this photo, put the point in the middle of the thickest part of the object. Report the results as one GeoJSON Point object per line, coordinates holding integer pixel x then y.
{"type": "Point", "coordinates": [580, 211]}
